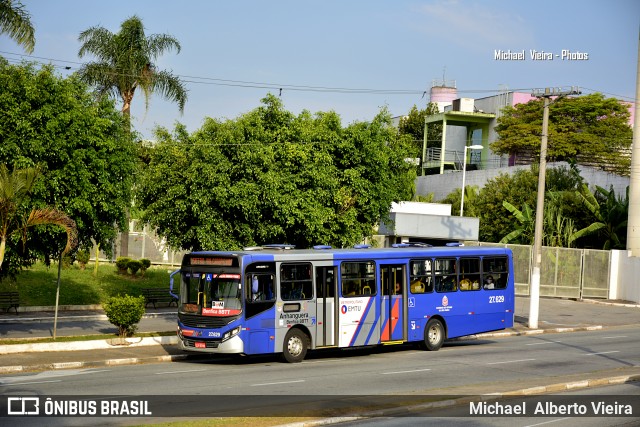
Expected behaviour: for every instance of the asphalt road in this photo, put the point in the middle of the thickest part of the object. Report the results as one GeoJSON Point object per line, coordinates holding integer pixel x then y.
{"type": "Point", "coordinates": [233, 387]}
{"type": "Point", "coordinates": [27, 325]}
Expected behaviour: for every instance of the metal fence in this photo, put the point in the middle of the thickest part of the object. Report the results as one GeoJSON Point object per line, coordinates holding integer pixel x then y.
{"type": "Point", "coordinates": [564, 272]}
{"type": "Point", "coordinates": [146, 244]}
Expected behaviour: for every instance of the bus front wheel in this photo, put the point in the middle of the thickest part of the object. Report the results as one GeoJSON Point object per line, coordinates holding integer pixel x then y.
{"type": "Point", "coordinates": [434, 335]}
{"type": "Point", "coordinates": [295, 346]}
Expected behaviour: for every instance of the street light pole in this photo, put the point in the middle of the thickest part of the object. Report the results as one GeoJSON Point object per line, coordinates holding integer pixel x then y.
{"type": "Point", "coordinates": [464, 172]}
{"type": "Point", "coordinates": [534, 288]}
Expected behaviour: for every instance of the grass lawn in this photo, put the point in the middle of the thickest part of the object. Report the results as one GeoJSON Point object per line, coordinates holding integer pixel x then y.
{"type": "Point", "coordinates": [37, 285]}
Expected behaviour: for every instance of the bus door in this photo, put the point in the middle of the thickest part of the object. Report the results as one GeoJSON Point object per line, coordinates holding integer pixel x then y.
{"type": "Point", "coordinates": [327, 306]}
{"type": "Point", "coordinates": [392, 302]}
{"type": "Point", "coordinates": [358, 315]}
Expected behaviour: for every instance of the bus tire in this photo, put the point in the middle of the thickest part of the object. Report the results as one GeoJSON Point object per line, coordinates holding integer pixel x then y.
{"type": "Point", "coordinates": [295, 346]}
{"type": "Point", "coordinates": [434, 335]}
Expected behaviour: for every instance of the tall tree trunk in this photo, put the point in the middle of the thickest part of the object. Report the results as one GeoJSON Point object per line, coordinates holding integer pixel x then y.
{"type": "Point", "coordinates": [124, 234]}
{"type": "Point", "coordinates": [3, 245]}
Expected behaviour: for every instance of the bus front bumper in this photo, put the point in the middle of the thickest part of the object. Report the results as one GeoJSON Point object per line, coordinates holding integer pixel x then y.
{"type": "Point", "coordinates": [233, 345]}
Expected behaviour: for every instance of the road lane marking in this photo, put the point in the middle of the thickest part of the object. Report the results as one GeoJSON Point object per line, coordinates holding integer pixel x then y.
{"type": "Point", "coordinates": [543, 343]}
{"type": "Point", "coordinates": [619, 336]}
{"type": "Point", "coordinates": [602, 352]}
{"type": "Point", "coordinates": [404, 372]}
{"type": "Point", "coordinates": [179, 372]}
{"type": "Point", "coordinates": [281, 382]}
{"type": "Point", "coordinates": [31, 382]}
{"type": "Point", "coordinates": [548, 422]}
{"type": "Point", "coordinates": [511, 361]}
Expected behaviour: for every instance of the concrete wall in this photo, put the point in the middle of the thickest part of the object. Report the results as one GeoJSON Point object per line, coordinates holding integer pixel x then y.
{"type": "Point", "coordinates": [625, 271]}
{"type": "Point", "coordinates": [442, 185]}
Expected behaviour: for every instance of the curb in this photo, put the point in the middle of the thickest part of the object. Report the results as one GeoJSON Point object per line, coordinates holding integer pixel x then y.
{"type": "Point", "coordinates": [68, 307]}
{"type": "Point", "coordinates": [529, 332]}
{"type": "Point", "coordinates": [87, 345]}
{"type": "Point", "coordinates": [615, 304]}
{"type": "Point", "coordinates": [47, 319]}
{"type": "Point", "coordinates": [94, 364]}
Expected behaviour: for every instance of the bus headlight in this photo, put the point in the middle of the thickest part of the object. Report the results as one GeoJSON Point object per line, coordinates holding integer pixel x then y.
{"type": "Point", "coordinates": [231, 333]}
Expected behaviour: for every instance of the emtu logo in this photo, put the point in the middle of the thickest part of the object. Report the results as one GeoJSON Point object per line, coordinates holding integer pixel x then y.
{"type": "Point", "coordinates": [346, 309]}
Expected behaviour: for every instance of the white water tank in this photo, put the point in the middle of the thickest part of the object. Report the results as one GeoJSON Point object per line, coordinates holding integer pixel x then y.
{"type": "Point", "coordinates": [443, 93]}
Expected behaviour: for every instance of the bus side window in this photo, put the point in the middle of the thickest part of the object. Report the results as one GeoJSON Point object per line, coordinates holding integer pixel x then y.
{"type": "Point", "coordinates": [495, 271]}
{"type": "Point", "coordinates": [469, 274]}
{"type": "Point", "coordinates": [446, 278]}
{"type": "Point", "coordinates": [295, 281]}
{"type": "Point", "coordinates": [261, 288]}
{"type": "Point", "coordinates": [358, 278]}
{"type": "Point", "coordinates": [348, 288]}
{"type": "Point", "coordinates": [421, 281]}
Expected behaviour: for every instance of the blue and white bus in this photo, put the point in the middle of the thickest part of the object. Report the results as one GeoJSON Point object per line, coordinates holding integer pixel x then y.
{"type": "Point", "coordinates": [276, 299]}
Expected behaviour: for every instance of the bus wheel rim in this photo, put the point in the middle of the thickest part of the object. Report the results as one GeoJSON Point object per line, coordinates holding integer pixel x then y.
{"type": "Point", "coordinates": [434, 334]}
{"type": "Point", "coordinates": [294, 346]}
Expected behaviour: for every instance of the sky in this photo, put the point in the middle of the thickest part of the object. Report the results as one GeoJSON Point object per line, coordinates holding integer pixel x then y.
{"type": "Point", "coordinates": [353, 57]}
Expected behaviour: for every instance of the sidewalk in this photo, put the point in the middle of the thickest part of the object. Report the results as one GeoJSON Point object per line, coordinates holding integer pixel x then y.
{"type": "Point", "coordinates": [555, 315]}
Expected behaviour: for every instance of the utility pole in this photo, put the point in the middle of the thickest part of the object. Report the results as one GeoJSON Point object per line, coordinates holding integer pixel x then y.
{"type": "Point", "coordinates": [534, 282]}
{"type": "Point", "coordinates": [633, 224]}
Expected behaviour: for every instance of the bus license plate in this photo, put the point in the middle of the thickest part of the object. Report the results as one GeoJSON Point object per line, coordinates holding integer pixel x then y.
{"type": "Point", "coordinates": [200, 344]}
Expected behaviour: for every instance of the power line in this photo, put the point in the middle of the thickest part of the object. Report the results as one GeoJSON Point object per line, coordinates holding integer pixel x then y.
{"type": "Point", "coordinates": [291, 87]}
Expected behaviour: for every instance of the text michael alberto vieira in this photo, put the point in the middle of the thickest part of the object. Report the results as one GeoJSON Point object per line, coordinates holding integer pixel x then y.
{"type": "Point", "coordinates": [595, 408]}
{"type": "Point", "coordinates": [539, 55]}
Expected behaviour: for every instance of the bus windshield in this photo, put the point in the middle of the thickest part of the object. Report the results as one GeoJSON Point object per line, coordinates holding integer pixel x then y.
{"type": "Point", "coordinates": [212, 294]}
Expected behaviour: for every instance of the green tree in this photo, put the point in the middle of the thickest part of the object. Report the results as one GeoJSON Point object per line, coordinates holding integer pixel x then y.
{"type": "Point", "coordinates": [521, 188]}
{"type": "Point", "coordinates": [87, 162]}
{"type": "Point", "coordinates": [524, 232]}
{"type": "Point", "coordinates": [557, 229]}
{"type": "Point", "coordinates": [125, 63]}
{"type": "Point", "coordinates": [15, 21]}
{"type": "Point", "coordinates": [610, 214]}
{"type": "Point", "coordinates": [413, 125]}
{"type": "Point", "coordinates": [15, 188]}
{"type": "Point", "coordinates": [270, 176]}
{"type": "Point", "coordinates": [585, 130]}
{"type": "Point", "coordinates": [558, 226]}
{"type": "Point", "coordinates": [471, 194]}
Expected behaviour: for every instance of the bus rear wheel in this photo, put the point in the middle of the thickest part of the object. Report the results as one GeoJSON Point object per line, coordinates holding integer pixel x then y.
{"type": "Point", "coordinates": [295, 346]}
{"type": "Point", "coordinates": [434, 335]}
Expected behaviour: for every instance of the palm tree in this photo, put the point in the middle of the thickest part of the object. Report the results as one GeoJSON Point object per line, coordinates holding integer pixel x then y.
{"type": "Point", "coordinates": [14, 191]}
{"type": "Point", "coordinates": [125, 62]}
{"type": "Point", "coordinates": [16, 22]}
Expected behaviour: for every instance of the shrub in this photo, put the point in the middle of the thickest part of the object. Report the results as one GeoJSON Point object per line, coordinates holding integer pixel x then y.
{"type": "Point", "coordinates": [125, 312]}
{"type": "Point", "coordinates": [82, 256]}
{"type": "Point", "coordinates": [122, 264]}
{"type": "Point", "coordinates": [145, 264]}
{"type": "Point", "coordinates": [133, 266]}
